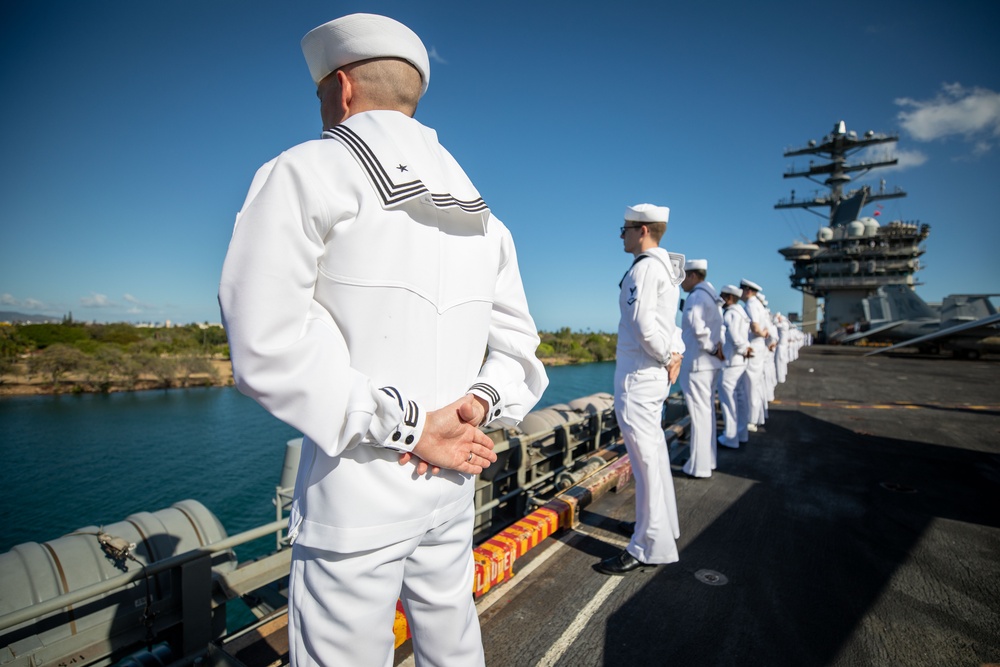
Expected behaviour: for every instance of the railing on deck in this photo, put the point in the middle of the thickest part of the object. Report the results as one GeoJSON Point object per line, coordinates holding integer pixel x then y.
{"type": "Point", "coordinates": [532, 468]}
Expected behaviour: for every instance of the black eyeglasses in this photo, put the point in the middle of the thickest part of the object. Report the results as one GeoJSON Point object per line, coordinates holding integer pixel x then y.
{"type": "Point", "coordinates": [630, 227]}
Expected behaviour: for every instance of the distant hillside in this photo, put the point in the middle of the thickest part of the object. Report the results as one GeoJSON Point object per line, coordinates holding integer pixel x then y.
{"type": "Point", "coordinates": [24, 318]}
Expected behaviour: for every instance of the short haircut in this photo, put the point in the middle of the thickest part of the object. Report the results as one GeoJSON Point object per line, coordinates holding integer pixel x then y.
{"type": "Point", "coordinates": [387, 83]}
{"type": "Point", "coordinates": [698, 272]}
{"type": "Point", "coordinates": [656, 230]}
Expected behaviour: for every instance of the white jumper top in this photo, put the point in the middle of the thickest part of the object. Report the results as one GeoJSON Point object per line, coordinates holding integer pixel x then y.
{"type": "Point", "coordinates": [758, 315]}
{"type": "Point", "coordinates": [648, 305]}
{"type": "Point", "coordinates": [701, 328]}
{"type": "Point", "coordinates": [737, 332]}
{"type": "Point", "coordinates": [365, 281]}
{"type": "Point", "coordinates": [782, 328]}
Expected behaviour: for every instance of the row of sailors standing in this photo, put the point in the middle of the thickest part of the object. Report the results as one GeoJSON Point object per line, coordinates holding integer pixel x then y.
{"type": "Point", "coordinates": [742, 352]}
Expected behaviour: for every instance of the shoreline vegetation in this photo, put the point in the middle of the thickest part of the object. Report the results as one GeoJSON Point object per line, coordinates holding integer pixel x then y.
{"type": "Point", "coordinates": [87, 358]}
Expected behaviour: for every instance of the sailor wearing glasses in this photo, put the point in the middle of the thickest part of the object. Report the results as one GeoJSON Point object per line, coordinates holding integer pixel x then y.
{"type": "Point", "coordinates": [648, 361]}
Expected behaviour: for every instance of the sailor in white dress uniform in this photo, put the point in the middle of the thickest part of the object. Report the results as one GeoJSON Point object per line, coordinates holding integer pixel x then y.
{"type": "Point", "coordinates": [701, 331]}
{"type": "Point", "coordinates": [758, 343]}
{"type": "Point", "coordinates": [782, 351]}
{"type": "Point", "coordinates": [734, 385]}
{"type": "Point", "coordinates": [770, 373]}
{"type": "Point", "coordinates": [363, 282]}
{"type": "Point", "coordinates": [647, 363]}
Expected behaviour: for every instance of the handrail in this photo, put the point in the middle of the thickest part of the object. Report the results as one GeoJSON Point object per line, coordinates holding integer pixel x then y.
{"type": "Point", "coordinates": [41, 608]}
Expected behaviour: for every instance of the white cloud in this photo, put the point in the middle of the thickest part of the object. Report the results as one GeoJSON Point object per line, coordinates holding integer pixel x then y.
{"type": "Point", "coordinates": [96, 301]}
{"type": "Point", "coordinates": [137, 305]}
{"type": "Point", "coordinates": [971, 113]}
{"type": "Point", "coordinates": [909, 159]}
{"type": "Point", "coordinates": [8, 299]}
{"type": "Point", "coordinates": [981, 148]}
{"type": "Point", "coordinates": [906, 158]}
{"type": "Point", "coordinates": [435, 56]}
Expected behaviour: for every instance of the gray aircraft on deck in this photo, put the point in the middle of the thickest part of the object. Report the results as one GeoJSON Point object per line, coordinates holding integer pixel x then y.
{"type": "Point", "coordinates": [965, 324]}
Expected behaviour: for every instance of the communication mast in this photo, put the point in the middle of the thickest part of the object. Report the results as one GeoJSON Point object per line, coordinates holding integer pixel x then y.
{"type": "Point", "coordinates": [852, 256]}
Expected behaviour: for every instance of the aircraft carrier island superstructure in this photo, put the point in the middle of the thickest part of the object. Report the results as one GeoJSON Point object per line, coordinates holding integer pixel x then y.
{"type": "Point", "coordinates": [852, 256]}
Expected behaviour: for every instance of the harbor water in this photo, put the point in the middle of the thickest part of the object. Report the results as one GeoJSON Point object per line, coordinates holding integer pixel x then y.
{"type": "Point", "coordinates": [86, 460]}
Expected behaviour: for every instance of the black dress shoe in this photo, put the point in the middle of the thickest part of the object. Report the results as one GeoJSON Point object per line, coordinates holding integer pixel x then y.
{"type": "Point", "coordinates": [626, 528]}
{"type": "Point", "coordinates": [621, 564]}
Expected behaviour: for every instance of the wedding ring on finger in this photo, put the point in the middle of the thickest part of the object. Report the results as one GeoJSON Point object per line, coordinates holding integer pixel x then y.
{"type": "Point", "coordinates": [469, 460]}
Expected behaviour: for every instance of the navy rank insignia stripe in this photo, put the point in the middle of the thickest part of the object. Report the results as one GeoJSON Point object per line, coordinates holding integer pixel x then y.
{"type": "Point", "coordinates": [493, 394]}
{"type": "Point", "coordinates": [394, 393]}
{"type": "Point", "coordinates": [411, 411]}
{"type": "Point", "coordinates": [395, 193]}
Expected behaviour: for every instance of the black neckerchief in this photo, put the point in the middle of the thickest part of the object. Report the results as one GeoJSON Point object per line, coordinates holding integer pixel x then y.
{"type": "Point", "coordinates": [634, 262]}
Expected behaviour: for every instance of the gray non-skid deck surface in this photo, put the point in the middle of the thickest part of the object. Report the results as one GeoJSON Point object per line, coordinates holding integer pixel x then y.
{"type": "Point", "coordinates": [847, 534]}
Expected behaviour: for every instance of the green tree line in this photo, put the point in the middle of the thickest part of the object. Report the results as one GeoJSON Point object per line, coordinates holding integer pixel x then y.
{"type": "Point", "coordinates": [576, 347]}
{"type": "Point", "coordinates": [100, 357]}
{"type": "Point", "coordinates": [103, 357]}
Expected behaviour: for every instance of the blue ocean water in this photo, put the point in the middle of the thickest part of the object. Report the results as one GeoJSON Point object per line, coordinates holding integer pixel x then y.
{"type": "Point", "coordinates": [89, 460]}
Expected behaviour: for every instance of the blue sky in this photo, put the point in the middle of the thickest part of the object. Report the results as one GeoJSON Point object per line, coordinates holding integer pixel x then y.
{"type": "Point", "coordinates": [130, 132]}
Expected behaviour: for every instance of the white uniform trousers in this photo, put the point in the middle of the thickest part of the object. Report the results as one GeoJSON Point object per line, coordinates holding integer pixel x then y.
{"type": "Point", "coordinates": [755, 374]}
{"type": "Point", "coordinates": [639, 398]}
{"type": "Point", "coordinates": [699, 391]}
{"type": "Point", "coordinates": [770, 379]}
{"type": "Point", "coordinates": [781, 362]}
{"type": "Point", "coordinates": [734, 387]}
{"type": "Point", "coordinates": [342, 606]}
{"type": "Point", "coordinates": [743, 407]}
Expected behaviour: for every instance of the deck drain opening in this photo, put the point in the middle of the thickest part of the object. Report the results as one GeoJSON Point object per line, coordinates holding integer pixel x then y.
{"type": "Point", "coordinates": [711, 577]}
{"type": "Point", "coordinates": [896, 487]}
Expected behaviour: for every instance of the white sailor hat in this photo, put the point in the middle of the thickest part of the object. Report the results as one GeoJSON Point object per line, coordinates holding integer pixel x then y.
{"type": "Point", "coordinates": [731, 289]}
{"type": "Point", "coordinates": [356, 37]}
{"type": "Point", "coordinates": [696, 265]}
{"type": "Point", "coordinates": [750, 285]}
{"type": "Point", "coordinates": [647, 213]}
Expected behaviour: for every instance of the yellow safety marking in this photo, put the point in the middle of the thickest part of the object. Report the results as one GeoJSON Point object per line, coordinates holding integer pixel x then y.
{"type": "Point", "coordinates": [502, 562]}
{"type": "Point", "coordinates": [891, 406]}
{"type": "Point", "coordinates": [494, 559]}
{"type": "Point", "coordinates": [400, 627]}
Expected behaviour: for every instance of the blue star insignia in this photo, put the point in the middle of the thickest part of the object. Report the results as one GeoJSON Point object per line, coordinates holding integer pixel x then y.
{"type": "Point", "coordinates": [402, 168]}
